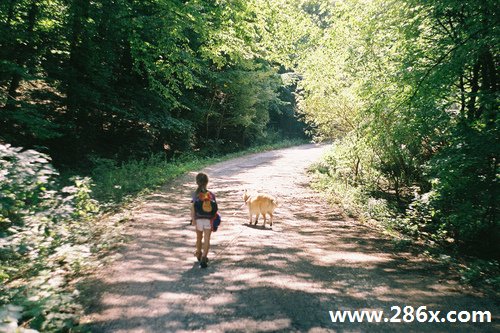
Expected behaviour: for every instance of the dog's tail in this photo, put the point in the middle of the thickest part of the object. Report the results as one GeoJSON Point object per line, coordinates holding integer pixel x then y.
{"type": "Point", "coordinates": [275, 202]}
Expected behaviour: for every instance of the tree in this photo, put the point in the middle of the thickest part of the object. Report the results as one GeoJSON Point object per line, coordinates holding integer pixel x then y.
{"type": "Point", "coordinates": [26, 34]}
{"type": "Point", "coordinates": [410, 91]}
{"type": "Point", "coordinates": [119, 79]}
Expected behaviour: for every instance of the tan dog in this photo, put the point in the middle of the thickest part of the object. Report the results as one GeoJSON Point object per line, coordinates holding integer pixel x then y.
{"type": "Point", "coordinates": [260, 204]}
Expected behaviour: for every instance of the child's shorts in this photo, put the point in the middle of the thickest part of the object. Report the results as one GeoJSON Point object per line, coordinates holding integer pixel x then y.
{"type": "Point", "coordinates": [203, 224]}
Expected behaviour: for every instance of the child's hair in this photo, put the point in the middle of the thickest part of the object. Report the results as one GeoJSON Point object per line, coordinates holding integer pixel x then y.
{"type": "Point", "coordinates": [202, 182]}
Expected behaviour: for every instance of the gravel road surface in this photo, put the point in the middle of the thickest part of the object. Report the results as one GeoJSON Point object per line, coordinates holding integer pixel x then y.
{"type": "Point", "coordinates": [281, 279]}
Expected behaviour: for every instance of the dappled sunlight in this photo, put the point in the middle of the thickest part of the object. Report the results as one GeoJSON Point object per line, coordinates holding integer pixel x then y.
{"type": "Point", "coordinates": [326, 257]}
{"type": "Point", "coordinates": [252, 278]}
{"type": "Point", "coordinates": [284, 278]}
{"type": "Point", "coordinates": [249, 325]}
{"type": "Point", "coordinates": [111, 299]}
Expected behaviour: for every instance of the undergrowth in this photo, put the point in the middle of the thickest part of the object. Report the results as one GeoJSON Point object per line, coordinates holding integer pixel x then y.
{"type": "Point", "coordinates": [408, 227]}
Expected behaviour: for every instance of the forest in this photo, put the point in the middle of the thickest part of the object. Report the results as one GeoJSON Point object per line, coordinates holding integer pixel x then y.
{"type": "Point", "coordinates": [406, 91]}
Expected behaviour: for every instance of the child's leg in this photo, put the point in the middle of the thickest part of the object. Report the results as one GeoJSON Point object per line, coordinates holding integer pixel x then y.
{"type": "Point", "coordinates": [199, 237]}
{"type": "Point", "coordinates": [206, 243]}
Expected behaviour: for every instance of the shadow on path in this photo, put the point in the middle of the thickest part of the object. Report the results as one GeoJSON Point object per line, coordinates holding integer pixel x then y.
{"type": "Point", "coordinates": [283, 279]}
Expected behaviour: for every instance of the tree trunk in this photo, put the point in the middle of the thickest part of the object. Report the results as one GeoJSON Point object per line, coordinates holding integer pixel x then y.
{"type": "Point", "coordinates": [462, 97]}
{"type": "Point", "coordinates": [474, 82]}
{"type": "Point", "coordinates": [80, 13]}
{"type": "Point", "coordinates": [489, 86]}
{"type": "Point", "coordinates": [26, 52]}
{"type": "Point", "coordinates": [356, 170]}
{"type": "Point", "coordinates": [221, 123]}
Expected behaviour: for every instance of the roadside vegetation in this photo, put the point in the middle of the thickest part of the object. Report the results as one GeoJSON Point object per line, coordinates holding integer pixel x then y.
{"type": "Point", "coordinates": [415, 127]}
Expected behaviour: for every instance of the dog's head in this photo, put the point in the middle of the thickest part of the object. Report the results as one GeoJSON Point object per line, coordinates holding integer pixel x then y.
{"type": "Point", "coordinates": [246, 196]}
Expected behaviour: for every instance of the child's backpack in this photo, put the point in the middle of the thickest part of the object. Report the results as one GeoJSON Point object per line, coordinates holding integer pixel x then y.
{"type": "Point", "coordinates": [205, 205]}
{"type": "Point", "coordinates": [215, 221]}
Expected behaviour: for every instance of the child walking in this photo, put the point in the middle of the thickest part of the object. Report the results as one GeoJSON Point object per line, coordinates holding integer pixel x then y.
{"type": "Point", "coordinates": [203, 208]}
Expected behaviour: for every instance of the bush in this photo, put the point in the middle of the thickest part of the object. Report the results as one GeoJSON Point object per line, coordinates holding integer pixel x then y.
{"type": "Point", "coordinates": [26, 182]}
{"type": "Point", "coordinates": [465, 183]}
{"type": "Point", "coordinates": [348, 178]}
{"type": "Point", "coordinates": [44, 238]}
{"type": "Point", "coordinates": [115, 183]}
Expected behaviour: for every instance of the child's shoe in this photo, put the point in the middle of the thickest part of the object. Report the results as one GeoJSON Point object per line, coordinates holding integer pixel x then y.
{"type": "Point", "coordinates": [204, 262]}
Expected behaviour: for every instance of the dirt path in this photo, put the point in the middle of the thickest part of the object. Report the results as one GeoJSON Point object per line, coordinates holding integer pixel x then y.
{"type": "Point", "coordinates": [283, 279]}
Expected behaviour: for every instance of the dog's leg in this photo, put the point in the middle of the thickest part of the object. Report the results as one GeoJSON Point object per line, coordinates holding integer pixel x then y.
{"type": "Point", "coordinates": [256, 218]}
{"type": "Point", "coordinates": [271, 219]}
{"type": "Point", "coordinates": [264, 215]}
